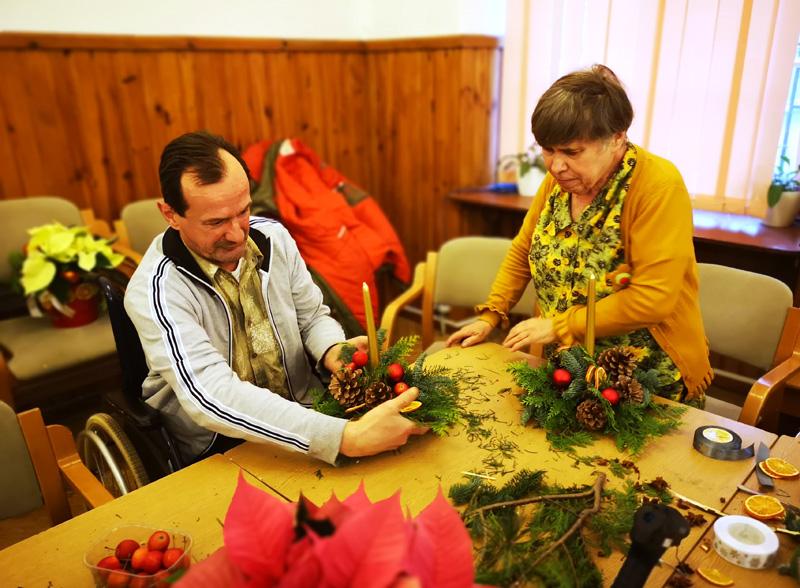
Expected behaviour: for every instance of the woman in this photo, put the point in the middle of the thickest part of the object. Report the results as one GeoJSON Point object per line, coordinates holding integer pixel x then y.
{"type": "Point", "coordinates": [610, 208]}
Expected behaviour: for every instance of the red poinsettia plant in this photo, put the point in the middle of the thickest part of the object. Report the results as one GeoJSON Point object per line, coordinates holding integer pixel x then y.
{"type": "Point", "coordinates": [354, 542]}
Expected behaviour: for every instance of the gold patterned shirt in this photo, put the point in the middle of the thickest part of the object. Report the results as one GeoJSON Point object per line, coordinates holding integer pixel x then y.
{"type": "Point", "coordinates": [565, 251]}
{"type": "Point", "coordinates": [256, 354]}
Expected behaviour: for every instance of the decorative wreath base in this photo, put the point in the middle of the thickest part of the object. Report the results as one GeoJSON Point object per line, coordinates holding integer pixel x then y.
{"type": "Point", "coordinates": [358, 387]}
{"type": "Point", "coordinates": [577, 396]}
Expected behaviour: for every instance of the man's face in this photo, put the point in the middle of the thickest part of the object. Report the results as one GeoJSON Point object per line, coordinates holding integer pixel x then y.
{"type": "Point", "coordinates": [216, 222]}
{"type": "Point", "coordinates": [582, 167]}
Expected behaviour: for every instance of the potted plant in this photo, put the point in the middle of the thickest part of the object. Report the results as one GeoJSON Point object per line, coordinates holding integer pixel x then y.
{"type": "Point", "coordinates": [56, 270]}
{"type": "Point", "coordinates": [527, 166]}
{"type": "Point", "coordinates": [783, 196]}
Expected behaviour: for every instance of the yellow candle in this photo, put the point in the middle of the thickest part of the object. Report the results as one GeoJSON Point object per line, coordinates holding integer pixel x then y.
{"type": "Point", "coordinates": [590, 310]}
{"type": "Point", "coordinates": [372, 338]}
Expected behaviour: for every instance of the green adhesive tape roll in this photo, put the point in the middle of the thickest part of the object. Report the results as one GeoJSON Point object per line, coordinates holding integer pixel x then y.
{"type": "Point", "coordinates": [721, 443]}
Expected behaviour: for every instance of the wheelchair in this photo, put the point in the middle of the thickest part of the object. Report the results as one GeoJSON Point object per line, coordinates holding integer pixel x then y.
{"type": "Point", "coordinates": [130, 447]}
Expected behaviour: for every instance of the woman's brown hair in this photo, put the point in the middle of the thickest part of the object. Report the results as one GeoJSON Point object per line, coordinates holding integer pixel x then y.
{"type": "Point", "coordinates": [589, 105]}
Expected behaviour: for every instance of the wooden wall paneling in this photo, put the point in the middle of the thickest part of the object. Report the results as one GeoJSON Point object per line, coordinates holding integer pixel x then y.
{"type": "Point", "coordinates": [11, 181]}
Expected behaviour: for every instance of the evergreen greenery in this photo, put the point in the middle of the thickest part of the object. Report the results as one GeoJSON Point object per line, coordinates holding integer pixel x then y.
{"type": "Point", "coordinates": [630, 423]}
{"type": "Point", "coordinates": [438, 392]}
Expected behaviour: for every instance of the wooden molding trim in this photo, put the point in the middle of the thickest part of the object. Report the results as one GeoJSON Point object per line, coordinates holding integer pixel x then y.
{"type": "Point", "coordinates": [66, 41]}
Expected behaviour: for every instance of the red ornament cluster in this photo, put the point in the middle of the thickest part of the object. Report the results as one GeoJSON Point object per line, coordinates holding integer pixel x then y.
{"type": "Point", "coordinates": [394, 371]}
{"type": "Point", "coordinates": [145, 565]}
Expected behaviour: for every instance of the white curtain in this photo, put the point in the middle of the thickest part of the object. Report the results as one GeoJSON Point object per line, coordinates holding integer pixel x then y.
{"type": "Point", "coordinates": [708, 80]}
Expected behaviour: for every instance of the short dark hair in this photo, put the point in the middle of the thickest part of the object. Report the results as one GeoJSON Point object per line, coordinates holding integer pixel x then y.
{"type": "Point", "coordinates": [196, 153]}
{"type": "Point", "coordinates": [584, 105]}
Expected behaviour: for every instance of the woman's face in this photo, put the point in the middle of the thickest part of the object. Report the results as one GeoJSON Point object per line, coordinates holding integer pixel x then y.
{"type": "Point", "coordinates": [582, 167]}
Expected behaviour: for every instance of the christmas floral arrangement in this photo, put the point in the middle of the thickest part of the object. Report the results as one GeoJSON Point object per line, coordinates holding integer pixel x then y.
{"type": "Point", "coordinates": [354, 542]}
{"type": "Point", "coordinates": [364, 384]}
{"type": "Point", "coordinates": [56, 266]}
{"type": "Point", "coordinates": [578, 395]}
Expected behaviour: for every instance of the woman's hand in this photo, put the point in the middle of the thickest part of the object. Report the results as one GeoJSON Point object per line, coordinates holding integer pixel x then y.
{"type": "Point", "coordinates": [474, 333]}
{"type": "Point", "coordinates": [332, 360]}
{"type": "Point", "coordinates": [534, 330]}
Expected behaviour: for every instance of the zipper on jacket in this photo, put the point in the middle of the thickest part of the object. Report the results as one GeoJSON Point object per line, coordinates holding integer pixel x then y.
{"type": "Point", "coordinates": [283, 351]}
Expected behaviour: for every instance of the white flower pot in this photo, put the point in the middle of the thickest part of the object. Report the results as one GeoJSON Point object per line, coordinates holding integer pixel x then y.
{"type": "Point", "coordinates": [528, 184]}
{"type": "Point", "coordinates": [784, 212]}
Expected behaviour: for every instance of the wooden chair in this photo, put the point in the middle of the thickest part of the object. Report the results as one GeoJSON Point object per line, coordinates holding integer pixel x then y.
{"type": "Point", "coordinates": [139, 223]}
{"type": "Point", "coordinates": [39, 463]}
{"type": "Point", "coordinates": [37, 359]}
{"type": "Point", "coordinates": [460, 274]}
{"type": "Point", "coordinates": [749, 317]}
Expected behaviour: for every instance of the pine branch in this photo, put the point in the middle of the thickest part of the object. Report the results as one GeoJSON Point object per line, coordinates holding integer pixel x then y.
{"type": "Point", "coordinates": [597, 489]}
{"type": "Point", "coordinates": [540, 498]}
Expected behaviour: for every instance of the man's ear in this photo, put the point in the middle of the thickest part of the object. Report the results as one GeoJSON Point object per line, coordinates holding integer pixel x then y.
{"type": "Point", "coordinates": [169, 214]}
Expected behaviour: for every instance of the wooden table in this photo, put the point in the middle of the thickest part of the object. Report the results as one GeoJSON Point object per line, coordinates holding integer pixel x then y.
{"type": "Point", "coordinates": [785, 490]}
{"type": "Point", "coordinates": [193, 500]}
{"type": "Point", "coordinates": [734, 240]}
{"type": "Point", "coordinates": [426, 463]}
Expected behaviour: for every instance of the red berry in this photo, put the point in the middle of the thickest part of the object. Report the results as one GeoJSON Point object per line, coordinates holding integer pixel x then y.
{"type": "Point", "coordinates": [611, 395]}
{"type": "Point", "coordinates": [142, 580]}
{"type": "Point", "coordinates": [152, 561]}
{"type": "Point", "coordinates": [71, 276]}
{"type": "Point", "coordinates": [137, 559]}
{"type": "Point", "coordinates": [395, 372]}
{"type": "Point", "coordinates": [171, 557]}
{"type": "Point", "coordinates": [117, 579]}
{"type": "Point", "coordinates": [360, 358]}
{"type": "Point", "coordinates": [400, 387]}
{"type": "Point", "coordinates": [561, 377]}
{"type": "Point", "coordinates": [110, 562]}
{"type": "Point", "coordinates": [350, 366]}
{"type": "Point", "coordinates": [125, 549]}
{"type": "Point", "coordinates": [158, 540]}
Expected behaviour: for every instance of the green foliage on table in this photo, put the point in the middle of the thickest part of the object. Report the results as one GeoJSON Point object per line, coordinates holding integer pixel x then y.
{"type": "Point", "coordinates": [553, 409]}
{"type": "Point", "coordinates": [438, 392]}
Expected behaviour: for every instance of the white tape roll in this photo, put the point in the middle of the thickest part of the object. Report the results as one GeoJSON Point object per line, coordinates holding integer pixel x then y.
{"type": "Point", "coordinates": [745, 542]}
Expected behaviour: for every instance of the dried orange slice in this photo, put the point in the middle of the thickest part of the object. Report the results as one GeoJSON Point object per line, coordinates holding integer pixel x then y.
{"type": "Point", "coordinates": [781, 467]}
{"type": "Point", "coordinates": [762, 465]}
{"type": "Point", "coordinates": [411, 406]}
{"type": "Point", "coordinates": [764, 507]}
{"type": "Point", "coordinates": [714, 576]}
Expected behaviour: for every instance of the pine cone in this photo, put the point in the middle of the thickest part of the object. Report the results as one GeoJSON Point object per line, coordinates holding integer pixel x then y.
{"type": "Point", "coordinates": [346, 388]}
{"type": "Point", "coordinates": [617, 361]}
{"type": "Point", "coordinates": [630, 389]}
{"type": "Point", "coordinates": [377, 393]}
{"type": "Point", "coordinates": [591, 415]}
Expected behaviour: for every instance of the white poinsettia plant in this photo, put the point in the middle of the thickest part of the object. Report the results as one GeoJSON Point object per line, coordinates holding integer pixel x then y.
{"type": "Point", "coordinates": [57, 257]}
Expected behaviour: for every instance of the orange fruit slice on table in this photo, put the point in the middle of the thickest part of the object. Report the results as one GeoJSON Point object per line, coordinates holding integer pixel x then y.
{"type": "Point", "coordinates": [781, 467]}
{"type": "Point", "coordinates": [714, 576]}
{"type": "Point", "coordinates": [762, 465]}
{"type": "Point", "coordinates": [764, 507]}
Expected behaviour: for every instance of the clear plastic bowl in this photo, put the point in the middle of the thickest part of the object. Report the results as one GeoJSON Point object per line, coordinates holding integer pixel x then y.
{"type": "Point", "coordinates": [127, 576]}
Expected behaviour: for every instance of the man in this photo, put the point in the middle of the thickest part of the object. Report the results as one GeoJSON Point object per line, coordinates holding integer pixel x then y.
{"type": "Point", "coordinates": [230, 320]}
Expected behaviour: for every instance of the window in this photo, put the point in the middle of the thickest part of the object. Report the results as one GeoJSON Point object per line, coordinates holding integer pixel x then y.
{"type": "Point", "coordinates": [789, 146]}
{"type": "Point", "coordinates": [708, 80]}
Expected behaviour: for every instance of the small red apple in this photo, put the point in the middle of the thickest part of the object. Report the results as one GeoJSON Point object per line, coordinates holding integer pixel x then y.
{"type": "Point", "coordinates": [360, 358]}
{"type": "Point", "coordinates": [351, 366]}
{"type": "Point", "coordinates": [160, 580]}
{"type": "Point", "coordinates": [171, 557]}
{"type": "Point", "coordinates": [611, 395]}
{"type": "Point", "coordinates": [117, 579]}
{"type": "Point", "coordinates": [137, 559]}
{"type": "Point", "coordinates": [400, 387]}
{"type": "Point", "coordinates": [152, 561]}
{"type": "Point", "coordinates": [561, 377]}
{"type": "Point", "coordinates": [142, 580]}
{"type": "Point", "coordinates": [158, 540]}
{"type": "Point", "coordinates": [395, 372]}
{"type": "Point", "coordinates": [125, 549]}
{"type": "Point", "coordinates": [110, 562]}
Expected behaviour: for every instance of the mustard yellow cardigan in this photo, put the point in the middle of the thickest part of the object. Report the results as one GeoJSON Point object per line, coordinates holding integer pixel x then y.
{"type": "Point", "coordinates": [662, 294]}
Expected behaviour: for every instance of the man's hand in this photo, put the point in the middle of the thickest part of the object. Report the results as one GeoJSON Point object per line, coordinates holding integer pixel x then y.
{"type": "Point", "coordinates": [535, 330]}
{"type": "Point", "coordinates": [332, 360]}
{"type": "Point", "coordinates": [383, 428]}
{"type": "Point", "coordinates": [474, 333]}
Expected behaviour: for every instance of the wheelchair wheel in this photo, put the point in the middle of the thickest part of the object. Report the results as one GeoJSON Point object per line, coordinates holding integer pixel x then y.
{"type": "Point", "coordinates": [106, 450]}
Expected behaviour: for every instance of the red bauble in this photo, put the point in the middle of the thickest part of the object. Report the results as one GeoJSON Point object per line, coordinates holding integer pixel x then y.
{"type": "Point", "coordinates": [360, 358]}
{"type": "Point", "coordinates": [400, 387]}
{"type": "Point", "coordinates": [351, 366]}
{"type": "Point", "coordinates": [611, 395]}
{"type": "Point", "coordinates": [561, 377]}
{"type": "Point", "coordinates": [395, 372]}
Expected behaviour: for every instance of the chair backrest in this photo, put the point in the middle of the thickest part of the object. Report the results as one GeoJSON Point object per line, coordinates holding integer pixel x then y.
{"type": "Point", "coordinates": [142, 221]}
{"type": "Point", "coordinates": [743, 313]}
{"type": "Point", "coordinates": [466, 268]}
{"type": "Point", "coordinates": [20, 491]}
{"type": "Point", "coordinates": [21, 214]}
